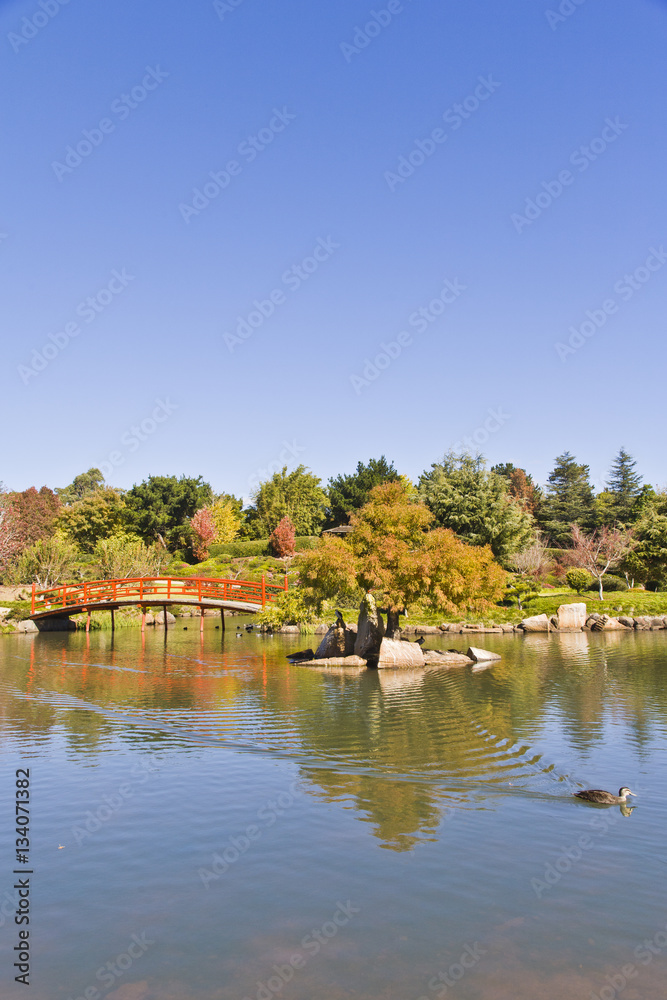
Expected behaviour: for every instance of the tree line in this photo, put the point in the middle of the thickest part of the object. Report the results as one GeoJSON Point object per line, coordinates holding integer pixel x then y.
{"type": "Point", "coordinates": [501, 508]}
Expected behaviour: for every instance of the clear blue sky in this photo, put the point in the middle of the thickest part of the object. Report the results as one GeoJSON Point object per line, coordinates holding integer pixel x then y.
{"type": "Point", "coordinates": [333, 112]}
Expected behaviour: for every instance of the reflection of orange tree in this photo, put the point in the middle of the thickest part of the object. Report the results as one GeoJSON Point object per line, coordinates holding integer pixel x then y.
{"type": "Point", "coordinates": [392, 552]}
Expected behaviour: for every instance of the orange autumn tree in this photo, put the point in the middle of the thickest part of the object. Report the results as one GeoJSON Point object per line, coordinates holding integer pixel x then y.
{"type": "Point", "coordinates": [203, 531]}
{"type": "Point", "coordinates": [394, 553]}
{"type": "Point", "coordinates": [282, 539]}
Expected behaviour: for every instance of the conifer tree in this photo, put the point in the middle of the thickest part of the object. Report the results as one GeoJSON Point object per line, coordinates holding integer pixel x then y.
{"type": "Point", "coordinates": [568, 500]}
{"type": "Point", "coordinates": [625, 487]}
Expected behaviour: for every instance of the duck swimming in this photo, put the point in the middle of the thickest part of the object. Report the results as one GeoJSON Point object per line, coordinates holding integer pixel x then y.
{"type": "Point", "coordinates": [604, 798]}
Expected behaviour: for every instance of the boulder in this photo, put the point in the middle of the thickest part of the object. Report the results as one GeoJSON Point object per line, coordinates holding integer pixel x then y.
{"type": "Point", "coordinates": [394, 653]}
{"type": "Point", "coordinates": [605, 623]}
{"type": "Point", "coordinates": [627, 621]}
{"type": "Point", "coordinates": [535, 623]}
{"type": "Point", "coordinates": [481, 655]}
{"type": "Point", "coordinates": [26, 626]}
{"type": "Point", "coordinates": [508, 628]}
{"type": "Point", "coordinates": [289, 630]}
{"type": "Point", "coordinates": [338, 641]}
{"type": "Point", "coordinates": [426, 630]}
{"type": "Point", "coordinates": [434, 657]}
{"type": "Point", "coordinates": [301, 656]}
{"type": "Point", "coordinates": [321, 630]}
{"type": "Point", "coordinates": [335, 661]}
{"type": "Point", "coordinates": [656, 623]}
{"type": "Point", "coordinates": [370, 629]}
{"type": "Point", "coordinates": [159, 618]}
{"type": "Point", "coordinates": [571, 617]}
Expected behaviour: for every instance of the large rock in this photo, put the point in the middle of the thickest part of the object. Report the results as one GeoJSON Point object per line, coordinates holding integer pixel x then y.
{"type": "Point", "coordinates": [571, 617]}
{"type": "Point", "coordinates": [26, 626]}
{"type": "Point", "coordinates": [536, 623]}
{"type": "Point", "coordinates": [482, 655]}
{"type": "Point", "coordinates": [334, 661]}
{"type": "Point", "coordinates": [627, 621]}
{"type": "Point", "coordinates": [370, 629]}
{"type": "Point", "coordinates": [425, 630]}
{"type": "Point", "coordinates": [434, 657]}
{"type": "Point", "coordinates": [394, 653]}
{"type": "Point", "coordinates": [605, 623]}
{"type": "Point", "coordinates": [337, 642]}
{"type": "Point", "coordinates": [159, 618]}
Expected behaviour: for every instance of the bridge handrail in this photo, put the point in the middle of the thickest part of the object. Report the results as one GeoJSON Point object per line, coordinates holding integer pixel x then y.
{"type": "Point", "coordinates": [152, 588]}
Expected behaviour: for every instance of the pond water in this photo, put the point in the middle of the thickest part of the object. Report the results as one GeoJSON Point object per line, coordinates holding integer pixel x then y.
{"type": "Point", "coordinates": [209, 822]}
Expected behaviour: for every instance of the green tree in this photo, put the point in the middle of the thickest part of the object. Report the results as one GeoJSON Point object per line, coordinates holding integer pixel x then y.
{"type": "Point", "coordinates": [121, 556]}
{"type": "Point", "coordinates": [81, 486]}
{"type": "Point", "coordinates": [648, 562]}
{"type": "Point", "coordinates": [568, 500]}
{"type": "Point", "coordinates": [578, 579]}
{"type": "Point", "coordinates": [46, 563]}
{"type": "Point", "coordinates": [297, 495]}
{"type": "Point", "coordinates": [98, 515]}
{"type": "Point", "coordinates": [160, 509]}
{"type": "Point", "coordinates": [350, 492]}
{"type": "Point", "coordinates": [392, 553]}
{"type": "Point", "coordinates": [476, 504]}
{"type": "Point", "coordinates": [624, 489]}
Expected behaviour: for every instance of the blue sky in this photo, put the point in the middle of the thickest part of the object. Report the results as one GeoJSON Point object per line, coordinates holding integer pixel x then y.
{"type": "Point", "coordinates": [233, 328]}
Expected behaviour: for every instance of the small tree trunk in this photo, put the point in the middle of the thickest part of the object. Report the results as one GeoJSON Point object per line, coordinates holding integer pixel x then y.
{"type": "Point", "coordinates": [392, 631]}
{"type": "Point", "coordinates": [600, 582]}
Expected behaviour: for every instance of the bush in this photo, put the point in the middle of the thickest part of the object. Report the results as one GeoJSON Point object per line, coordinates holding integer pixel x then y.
{"type": "Point", "coordinates": [257, 547]}
{"type": "Point", "coordinates": [289, 608]}
{"type": "Point", "coordinates": [611, 584]}
{"type": "Point", "coordinates": [580, 580]}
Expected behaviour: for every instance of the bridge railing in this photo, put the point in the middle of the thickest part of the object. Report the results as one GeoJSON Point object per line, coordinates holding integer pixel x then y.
{"type": "Point", "coordinates": [155, 590]}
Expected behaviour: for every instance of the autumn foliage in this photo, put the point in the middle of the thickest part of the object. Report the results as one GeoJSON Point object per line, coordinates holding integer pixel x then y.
{"type": "Point", "coordinates": [394, 553]}
{"type": "Point", "coordinates": [282, 539]}
{"type": "Point", "coordinates": [204, 531]}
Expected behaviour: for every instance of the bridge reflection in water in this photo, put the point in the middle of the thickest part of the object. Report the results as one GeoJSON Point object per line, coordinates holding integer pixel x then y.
{"type": "Point", "coordinates": [248, 596]}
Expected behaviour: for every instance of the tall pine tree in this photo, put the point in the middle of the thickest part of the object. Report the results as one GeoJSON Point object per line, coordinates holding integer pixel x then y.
{"type": "Point", "coordinates": [625, 487]}
{"type": "Point", "coordinates": [568, 500]}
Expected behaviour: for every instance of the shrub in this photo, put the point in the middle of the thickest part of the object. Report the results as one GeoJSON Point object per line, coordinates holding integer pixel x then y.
{"type": "Point", "coordinates": [289, 608]}
{"type": "Point", "coordinates": [580, 580]}
{"type": "Point", "coordinates": [282, 539]}
{"type": "Point", "coordinates": [613, 584]}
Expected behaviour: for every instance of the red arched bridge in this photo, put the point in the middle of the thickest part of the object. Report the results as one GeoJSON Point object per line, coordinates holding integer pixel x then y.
{"type": "Point", "coordinates": [245, 596]}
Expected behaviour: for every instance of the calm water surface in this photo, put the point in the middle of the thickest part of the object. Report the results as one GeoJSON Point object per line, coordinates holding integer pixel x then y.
{"type": "Point", "coordinates": [265, 831]}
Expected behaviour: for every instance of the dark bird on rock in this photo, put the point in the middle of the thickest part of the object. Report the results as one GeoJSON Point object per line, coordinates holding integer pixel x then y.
{"type": "Point", "coordinates": [339, 619]}
{"type": "Point", "coordinates": [601, 797]}
{"type": "Point", "coordinates": [420, 641]}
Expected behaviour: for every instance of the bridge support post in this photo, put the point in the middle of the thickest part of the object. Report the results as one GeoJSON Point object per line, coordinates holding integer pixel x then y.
{"type": "Point", "coordinates": [113, 620]}
{"type": "Point", "coordinates": [222, 619]}
{"type": "Point", "coordinates": [164, 612]}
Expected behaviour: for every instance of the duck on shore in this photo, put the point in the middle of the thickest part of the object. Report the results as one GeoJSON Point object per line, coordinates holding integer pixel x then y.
{"type": "Point", "coordinates": [599, 796]}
